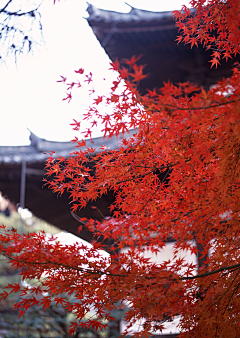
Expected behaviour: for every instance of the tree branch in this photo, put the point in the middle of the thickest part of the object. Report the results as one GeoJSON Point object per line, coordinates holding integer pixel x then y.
{"type": "Point", "coordinates": [218, 104]}
{"type": "Point", "coordinates": [3, 9]}
{"type": "Point", "coordinates": [88, 271]}
{"type": "Point", "coordinates": [230, 267]}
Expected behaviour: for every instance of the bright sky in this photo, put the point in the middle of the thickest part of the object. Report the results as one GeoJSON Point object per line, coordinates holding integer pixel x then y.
{"type": "Point", "coordinates": [29, 94]}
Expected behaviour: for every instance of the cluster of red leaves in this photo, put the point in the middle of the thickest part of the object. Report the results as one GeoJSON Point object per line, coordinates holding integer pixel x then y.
{"type": "Point", "coordinates": [176, 176]}
{"type": "Point", "coordinates": [213, 23]}
{"type": "Point", "coordinates": [94, 283]}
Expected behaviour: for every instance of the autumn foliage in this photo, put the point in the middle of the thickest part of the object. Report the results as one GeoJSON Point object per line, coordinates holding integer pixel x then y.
{"type": "Point", "coordinates": [176, 177]}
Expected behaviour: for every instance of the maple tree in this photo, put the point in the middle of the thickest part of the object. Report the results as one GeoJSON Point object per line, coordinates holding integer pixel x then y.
{"type": "Point", "coordinates": [177, 176]}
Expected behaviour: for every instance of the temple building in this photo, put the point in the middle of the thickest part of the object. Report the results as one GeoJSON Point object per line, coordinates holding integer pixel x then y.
{"type": "Point", "coordinates": [153, 35]}
{"type": "Point", "coordinates": [122, 35]}
{"type": "Point", "coordinates": [149, 34]}
{"type": "Point", "coordinates": [21, 182]}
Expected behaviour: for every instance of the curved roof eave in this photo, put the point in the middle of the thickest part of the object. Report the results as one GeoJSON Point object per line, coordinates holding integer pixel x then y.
{"type": "Point", "coordinates": [134, 15]}
{"type": "Point", "coordinates": [39, 148]}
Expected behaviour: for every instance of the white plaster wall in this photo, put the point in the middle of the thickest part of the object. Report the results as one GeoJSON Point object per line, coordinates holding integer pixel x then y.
{"type": "Point", "coordinates": [165, 254]}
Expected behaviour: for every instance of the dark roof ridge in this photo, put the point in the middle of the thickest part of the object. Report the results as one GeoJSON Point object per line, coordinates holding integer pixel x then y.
{"type": "Point", "coordinates": [39, 148]}
{"type": "Point", "coordinates": [41, 144]}
{"type": "Point", "coordinates": [134, 14]}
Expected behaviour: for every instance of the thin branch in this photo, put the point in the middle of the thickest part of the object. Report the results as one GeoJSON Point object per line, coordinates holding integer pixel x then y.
{"type": "Point", "coordinates": [135, 178]}
{"type": "Point", "coordinates": [77, 218]}
{"type": "Point", "coordinates": [3, 9]}
{"type": "Point", "coordinates": [236, 289]}
{"type": "Point", "coordinates": [199, 108]}
{"type": "Point", "coordinates": [88, 271]}
{"type": "Point", "coordinates": [224, 293]}
{"type": "Point", "coordinates": [18, 13]}
{"type": "Point", "coordinates": [154, 192]}
{"type": "Point", "coordinates": [230, 267]}
{"type": "Point", "coordinates": [208, 107]}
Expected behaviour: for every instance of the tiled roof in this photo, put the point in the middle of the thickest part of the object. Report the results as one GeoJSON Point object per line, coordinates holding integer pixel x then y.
{"type": "Point", "coordinates": [153, 36]}
{"type": "Point", "coordinates": [38, 198]}
{"type": "Point", "coordinates": [135, 15]}
{"type": "Point", "coordinates": [35, 152]}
